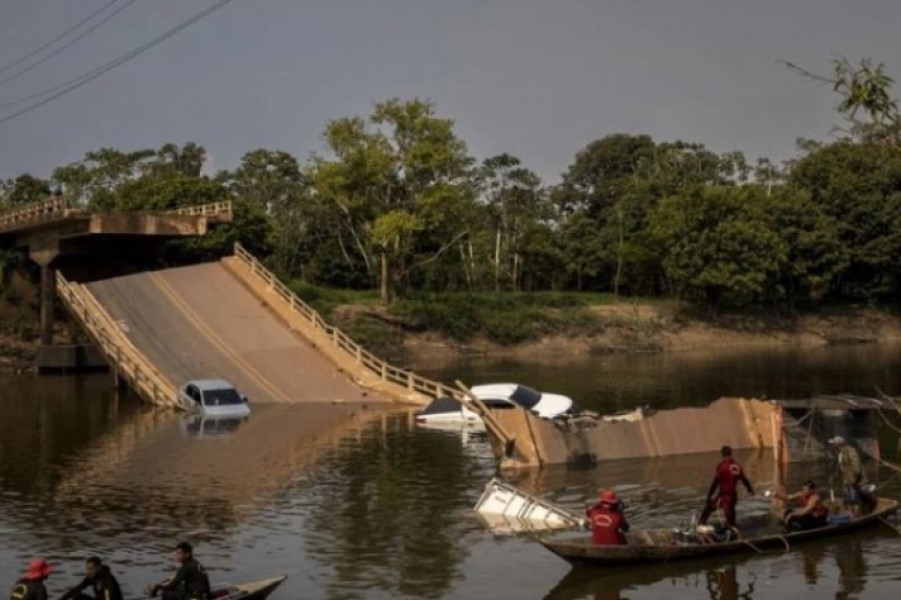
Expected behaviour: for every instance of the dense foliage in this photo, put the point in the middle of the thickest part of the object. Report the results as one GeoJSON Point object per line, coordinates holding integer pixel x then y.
{"type": "Point", "coordinates": [397, 204]}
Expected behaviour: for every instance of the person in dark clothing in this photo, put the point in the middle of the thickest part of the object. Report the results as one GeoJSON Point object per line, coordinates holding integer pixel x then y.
{"type": "Point", "coordinates": [190, 581]}
{"type": "Point", "coordinates": [725, 483]}
{"type": "Point", "coordinates": [31, 586]}
{"type": "Point", "coordinates": [608, 523]}
{"type": "Point", "coordinates": [100, 579]}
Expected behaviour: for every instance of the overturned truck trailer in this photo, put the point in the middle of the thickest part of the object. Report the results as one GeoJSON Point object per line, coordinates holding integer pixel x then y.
{"type": "Point", "coordinates": [794, 430]}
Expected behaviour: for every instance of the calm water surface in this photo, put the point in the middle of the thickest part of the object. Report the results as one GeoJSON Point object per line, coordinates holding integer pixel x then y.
{"type": "Point", "coordinates": [381, 509]}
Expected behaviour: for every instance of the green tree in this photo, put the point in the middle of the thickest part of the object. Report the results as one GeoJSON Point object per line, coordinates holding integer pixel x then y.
{"type": "Point", "coordinates": [24, 189]}
{"type": "Point", "coordinates": [272, 181]}
{"type": "Point", "coordinates": [515, 203]}
{"type": "Point", "coordinates": [859, 186]}
{"type": "Point", "coordinates": [718, 244]}
{"type": "Point", "coordinates": [401, 181]}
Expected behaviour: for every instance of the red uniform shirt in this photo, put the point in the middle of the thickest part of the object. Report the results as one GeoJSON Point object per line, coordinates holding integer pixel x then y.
{"type": "Point", "coordinates": [607, 525]}
{"type": "Point", "coordinates": [728, 474]}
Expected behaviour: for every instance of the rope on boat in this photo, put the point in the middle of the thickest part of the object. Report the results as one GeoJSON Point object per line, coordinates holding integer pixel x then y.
{"type": "Point", "coordinates": [785, 541]}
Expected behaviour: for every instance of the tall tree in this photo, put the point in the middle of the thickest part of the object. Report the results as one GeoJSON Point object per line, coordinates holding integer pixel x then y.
{"type": "Point", "coordinates": [718, 245]}
{"type": "Point", "coordinates": [515, 203]}
{"type": "Point", "coordinates": [402, 181]}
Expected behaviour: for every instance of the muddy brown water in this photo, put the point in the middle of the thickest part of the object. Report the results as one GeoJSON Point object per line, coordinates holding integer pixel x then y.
{"type": "Point", "coordinates": [378, 508]}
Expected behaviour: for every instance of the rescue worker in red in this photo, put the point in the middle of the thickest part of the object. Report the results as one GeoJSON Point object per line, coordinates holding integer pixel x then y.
{"type": "Point", "coordinates": [725, 484]}
{"type": "Point", "coordinates": [31, 586]}
{"type": "Point", "coordinates": [608, 523]}
{"type": "Point", "coordinates": [810, 513]}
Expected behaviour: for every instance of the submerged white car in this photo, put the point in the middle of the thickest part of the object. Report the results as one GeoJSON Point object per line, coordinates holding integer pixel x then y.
{"type": "Point", "coordinates": [448, 412]}
{"type": "Point", "coordinates": [213, 398]}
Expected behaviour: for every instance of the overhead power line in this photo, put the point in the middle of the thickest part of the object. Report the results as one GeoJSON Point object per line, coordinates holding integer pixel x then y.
{"type": "Point", "coordinates": [60, 36]}
{"type": "Point", "coordinates": [85, 78]}
{"type": "Point", "coordinates": [80, 36]}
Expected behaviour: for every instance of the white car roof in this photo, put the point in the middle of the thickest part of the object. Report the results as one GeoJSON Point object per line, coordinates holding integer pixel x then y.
{"type": "Point", "coordinates": [210, 384]}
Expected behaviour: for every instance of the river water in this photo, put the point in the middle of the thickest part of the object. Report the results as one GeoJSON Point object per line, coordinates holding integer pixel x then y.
{"type": "Point", "coordinates": [382, 509]}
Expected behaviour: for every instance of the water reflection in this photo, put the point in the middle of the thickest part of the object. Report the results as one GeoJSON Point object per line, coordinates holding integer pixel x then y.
{"type": "Point", "coordinates": [205, 427]}
{"type": "Point", "coordinates": [389, 512]}
{"type": "Point", "coordinates": [689, 378]}
{"type": "Point", "coordinates": [351, 503]}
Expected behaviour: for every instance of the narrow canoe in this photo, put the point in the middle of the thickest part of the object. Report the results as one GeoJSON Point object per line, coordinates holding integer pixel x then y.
{"type": "Point", "coordinates": [254, 590]}
{"type": "Point", "coordinates": [659, 545]}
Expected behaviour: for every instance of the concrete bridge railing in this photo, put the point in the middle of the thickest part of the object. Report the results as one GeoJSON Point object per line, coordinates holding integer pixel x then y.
{"type": "Point", "coordinates": [123, 357]}
{"type": "Point", "coordinates": [34, 213]}
{"type": "Point", "coordinates": [56, 208]}
{"type": "Point", "coordinates": [340, 340]}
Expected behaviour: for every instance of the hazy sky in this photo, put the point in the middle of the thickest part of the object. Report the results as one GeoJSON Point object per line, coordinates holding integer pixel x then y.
{"type": "Point", "coordinates": [536, 78]}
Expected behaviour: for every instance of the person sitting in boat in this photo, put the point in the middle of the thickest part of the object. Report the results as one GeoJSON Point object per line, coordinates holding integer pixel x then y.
{"type": "Point", "coordinates": [31, 586]}
{"type": "Point", "coordinates": [810, 512]}
{"type": "Point", "coordinates": [725, 484]}
{"type": "Point", "coordinates": [99, 579]}
{"type": "Point", "coordinates": [190, 581]}
{"type": "Point", "coordinates": [608, 523]}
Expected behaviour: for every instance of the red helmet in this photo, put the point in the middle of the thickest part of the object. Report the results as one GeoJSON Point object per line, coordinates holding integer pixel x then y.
{"type": "Point", "coordinates": [608, 496]}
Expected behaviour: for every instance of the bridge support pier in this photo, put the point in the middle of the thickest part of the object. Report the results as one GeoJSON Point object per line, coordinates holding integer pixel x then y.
{"type": "Point", "coordinates": [48, 295]}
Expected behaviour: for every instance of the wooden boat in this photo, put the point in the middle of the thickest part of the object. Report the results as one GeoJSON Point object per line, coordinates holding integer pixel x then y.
{"type": "Point", "coordinates": [659, 545]}
{"type": "Point", "coordinates": [254, 590]}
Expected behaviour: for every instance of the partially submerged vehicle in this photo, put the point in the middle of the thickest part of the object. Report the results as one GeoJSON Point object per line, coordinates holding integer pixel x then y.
{"type": "Point", "coordinates": [213, 398]}
{"type": "Point", "coordinates": [447, 412]}
{"type": "Point", "coordinates": [662, 545]}
{"type": "Point", "coordinates": [507, 509]}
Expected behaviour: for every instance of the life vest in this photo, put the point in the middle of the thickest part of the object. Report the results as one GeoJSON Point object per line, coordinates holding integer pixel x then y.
{"type": "Point", "coordinates": [607, 525]}
{"type": "Point", "coordinates": [819, 510]}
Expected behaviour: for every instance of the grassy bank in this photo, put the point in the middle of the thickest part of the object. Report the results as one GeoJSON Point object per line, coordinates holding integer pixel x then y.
{"type": "Point", "coordinates": [507, 319]}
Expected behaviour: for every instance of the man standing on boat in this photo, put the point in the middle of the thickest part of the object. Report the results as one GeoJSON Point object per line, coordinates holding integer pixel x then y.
{"type": "Point", "coordinates": [725, 483]}
{"type": "Point", "coordinates": [608, 523]}
{"type": "Point", "coordinates": [850, 474]}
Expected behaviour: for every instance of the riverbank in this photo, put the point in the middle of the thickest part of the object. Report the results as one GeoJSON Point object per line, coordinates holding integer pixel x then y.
{"type": "Point", "coordinates": [549, 328]}
{"type": "Point", "coordinates": [627, 328]}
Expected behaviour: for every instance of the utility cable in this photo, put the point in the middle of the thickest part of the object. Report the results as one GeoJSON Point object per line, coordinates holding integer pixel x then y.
{"type": "Point", "coordinates": [77, 82]}
{"type": "Point", "coordinates": [80, 36]}
{"type": "Point", "coordinates": [60, 36]}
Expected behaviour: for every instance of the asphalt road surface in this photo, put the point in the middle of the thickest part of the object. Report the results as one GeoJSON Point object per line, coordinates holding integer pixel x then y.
{"type": "Point", "coordinates": [200, 322]}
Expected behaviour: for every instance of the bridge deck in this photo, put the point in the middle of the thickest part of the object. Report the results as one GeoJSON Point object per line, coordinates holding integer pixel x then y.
{"type": "Point", "coordinates": [201, 322]}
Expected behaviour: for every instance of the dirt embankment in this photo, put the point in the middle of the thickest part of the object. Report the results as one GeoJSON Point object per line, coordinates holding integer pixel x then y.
{"type": "Point", "coordinates": [664, 328]}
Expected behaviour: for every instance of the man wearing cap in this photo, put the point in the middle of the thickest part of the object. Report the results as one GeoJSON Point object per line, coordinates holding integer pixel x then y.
{"type": "Point", "coordinates": [725, 483]}
{"type": "Point", "coordinates": [31, 586]}
{"type": "Point", "coordinates": [100, 579]}
{"type": "Point", "coordinates": [850, 473]}
{"type": "Point", "coordinates": [608, 523]}
{"type": "Point", "coordinates": [190, 581]}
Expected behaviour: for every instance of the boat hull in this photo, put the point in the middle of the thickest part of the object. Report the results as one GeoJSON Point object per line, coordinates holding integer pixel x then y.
{"type": "Point", "coordinates": [582, 551]}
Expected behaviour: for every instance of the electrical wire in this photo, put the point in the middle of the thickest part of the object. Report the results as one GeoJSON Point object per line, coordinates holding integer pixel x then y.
{"type": "Point", "coordinates": [60, 36]}
{"type": "Point", "coordinates": [77, 82]}
{"type": "Point", "coordinates": [80, 36]}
